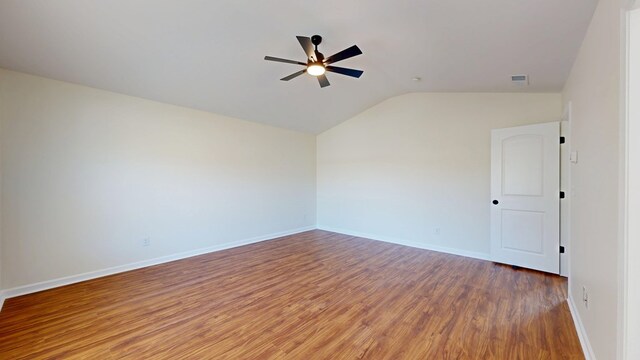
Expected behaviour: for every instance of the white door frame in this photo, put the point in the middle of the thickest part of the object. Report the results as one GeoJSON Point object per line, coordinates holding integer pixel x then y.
{"type": "Point", "coordinates": [565, 185]}
{"type": "Point", "coordinates": [629, 244]}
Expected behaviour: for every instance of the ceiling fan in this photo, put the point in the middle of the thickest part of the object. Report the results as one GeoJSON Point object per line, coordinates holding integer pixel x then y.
{"type": "Point", "coordinates": [317, 64]}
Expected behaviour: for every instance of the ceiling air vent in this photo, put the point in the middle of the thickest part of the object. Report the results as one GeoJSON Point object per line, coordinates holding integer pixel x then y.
{"type": "Point", "coordinates": [520, 80]}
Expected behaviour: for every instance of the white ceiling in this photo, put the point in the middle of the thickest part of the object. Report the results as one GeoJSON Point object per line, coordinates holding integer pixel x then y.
{"type": "Point", "coordinates": [208, 55]}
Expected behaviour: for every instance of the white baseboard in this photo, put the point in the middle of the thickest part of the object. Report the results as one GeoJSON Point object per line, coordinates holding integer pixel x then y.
{"type": "Point", "coordinates": [442, 249]}
{"type": "Point", "coordinates": [582, 334]}
{"type": "Point", "coordinates": [50, 284]}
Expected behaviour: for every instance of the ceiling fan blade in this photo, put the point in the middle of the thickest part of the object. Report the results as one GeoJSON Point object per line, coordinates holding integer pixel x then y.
{"type": "Point", "coordinates": [307, 46]}
{"type": "Point", "coordinates": [295, 74]}
{"type": "Point", "coordinates": [344, 54]}
{"type": "Point", "coordinates": [271, 58]}
{"type": "Point", "coordinates": [344, 71]}
{"type": "Point", "coordinates": [322, 79]}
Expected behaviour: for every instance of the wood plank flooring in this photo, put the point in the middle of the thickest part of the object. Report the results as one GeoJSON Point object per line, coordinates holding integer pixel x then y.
{"type": "Point", "coordinates": [315, 295]}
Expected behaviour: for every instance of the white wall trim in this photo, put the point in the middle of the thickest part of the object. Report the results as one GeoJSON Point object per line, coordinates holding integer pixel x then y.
{"type": "Point", "coordinates": [442, 249]}
{"type": "Point", "coordinates": [582, 333]}
{"type": "Point", "coordinates": [50, 284]}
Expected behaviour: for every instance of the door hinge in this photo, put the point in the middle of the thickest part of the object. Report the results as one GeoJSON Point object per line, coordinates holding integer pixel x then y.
{"type": "Point", "coordinates": [562, 140]}
{"type": "Point", "coordinates": [561, 249]}
{"type": "Point", "coordinates": [561, 194]}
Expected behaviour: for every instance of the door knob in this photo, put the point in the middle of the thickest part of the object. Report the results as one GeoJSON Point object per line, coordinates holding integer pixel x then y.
{"type": "Point", "coordinates": [495, 202]}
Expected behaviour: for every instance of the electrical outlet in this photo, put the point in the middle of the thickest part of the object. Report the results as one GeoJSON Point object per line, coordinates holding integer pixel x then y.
{"type": "Point", "coordinates": [585, 297]}
{"type": "Point", "coordinates": [146, 242]}
{"type": "Point", "coordinates": [436, 231]}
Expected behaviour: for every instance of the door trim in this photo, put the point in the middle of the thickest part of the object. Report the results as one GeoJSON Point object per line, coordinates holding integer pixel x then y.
{"type": "Point", "coordinates": [565, 185]}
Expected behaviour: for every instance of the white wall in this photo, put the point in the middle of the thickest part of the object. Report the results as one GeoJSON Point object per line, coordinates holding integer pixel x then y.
{"type": "Point", "coordinates": [88, 174]}
{"type": "Point", "coordinates": [593, 88]}
{"type": "Point", "coordinates": [418, 162]}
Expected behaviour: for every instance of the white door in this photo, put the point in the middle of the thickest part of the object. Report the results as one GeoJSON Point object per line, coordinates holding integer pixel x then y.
{"type": "Point", "coordinates": [525, 190]}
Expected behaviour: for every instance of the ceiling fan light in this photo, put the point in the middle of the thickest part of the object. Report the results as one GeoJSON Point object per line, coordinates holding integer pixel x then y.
{"type": "Point", "coordinates": [315, 69]}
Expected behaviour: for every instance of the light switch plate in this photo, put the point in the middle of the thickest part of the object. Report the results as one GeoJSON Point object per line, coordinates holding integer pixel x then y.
{"type": "Point", "coordinates": [573, 157]}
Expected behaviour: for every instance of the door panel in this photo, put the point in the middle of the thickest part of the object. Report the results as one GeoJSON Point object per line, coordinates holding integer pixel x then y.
{"type": "Point", "coordinates": [523, 231]}
{"type": "Point", "coordinates": [525, 180]}
{"type": "Point", "coordinates": [522, 165]}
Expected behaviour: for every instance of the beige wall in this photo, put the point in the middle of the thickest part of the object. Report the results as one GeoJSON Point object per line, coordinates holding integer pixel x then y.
{"type": "Point", "coordinates": [593, 89]}
{"type": "Point", "coordinates": [88, 174]}
{"type": "Point", "coordinates": [420, 162]}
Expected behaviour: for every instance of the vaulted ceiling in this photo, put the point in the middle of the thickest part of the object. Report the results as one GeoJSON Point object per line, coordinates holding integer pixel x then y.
{"type": "Point", "coordinates": [208, 55]}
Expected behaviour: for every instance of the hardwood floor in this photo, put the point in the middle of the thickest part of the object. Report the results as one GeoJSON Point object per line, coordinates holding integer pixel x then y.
{"type": "Point", "coordinates": [315, 295]}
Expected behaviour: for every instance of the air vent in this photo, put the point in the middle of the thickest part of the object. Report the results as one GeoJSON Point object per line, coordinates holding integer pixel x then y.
{"type": "Point", "coordinates": [520, 80]}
